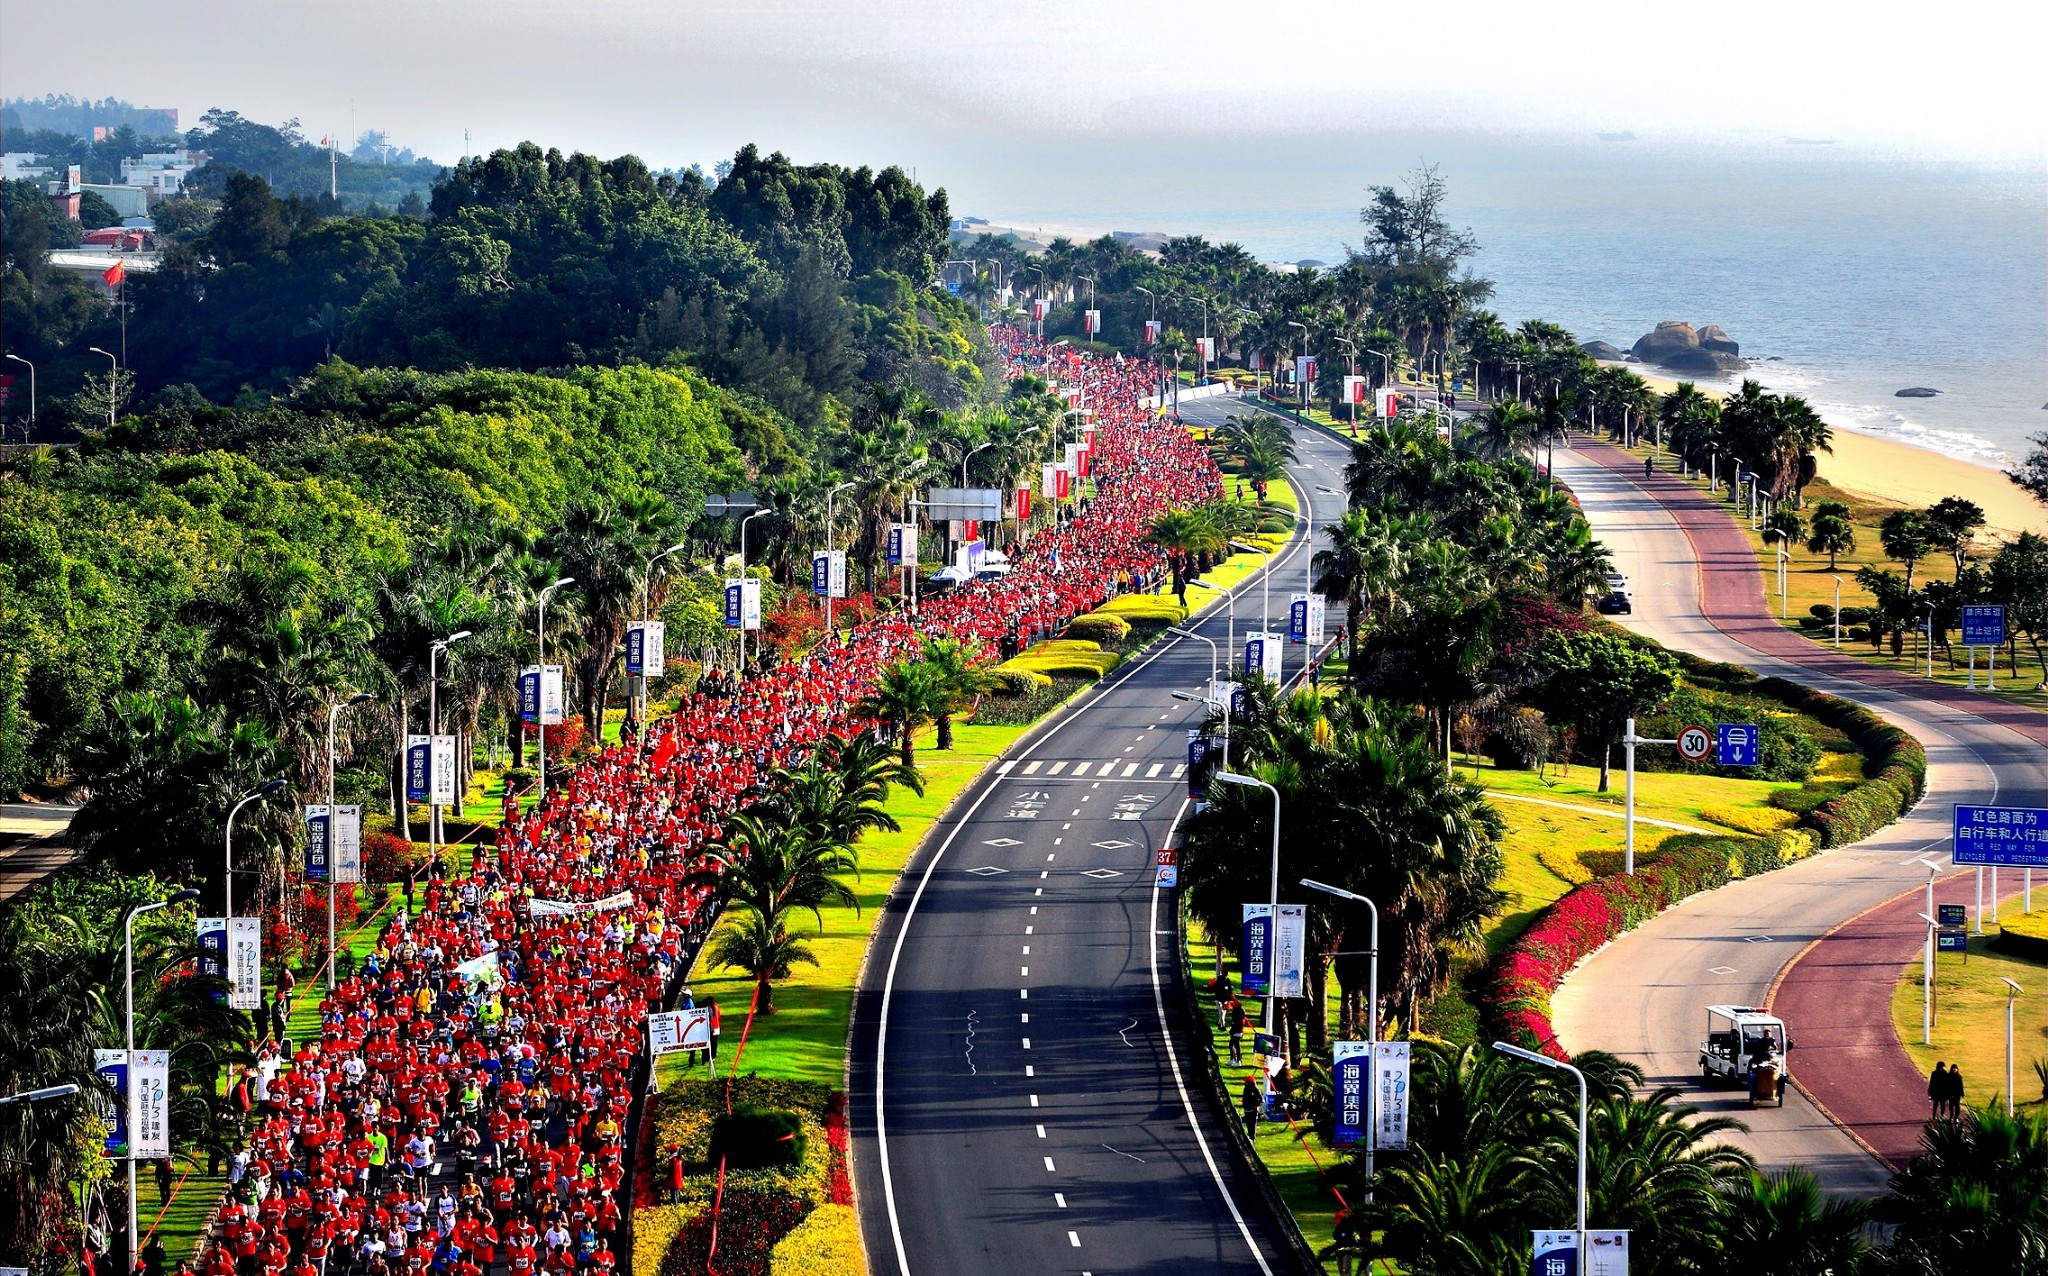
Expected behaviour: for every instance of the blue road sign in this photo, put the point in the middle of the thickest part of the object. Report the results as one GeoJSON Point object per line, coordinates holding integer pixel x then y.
{"type": "Point", "coordinates": [1949, 914]}
{"type": "Point", "coordinates": [1951, 941]}
{"type": "Point", "coordinates": [1984, 626]}
{"type": "Point", "coordinates": [1738, 744]}
{"type": "Point", "coordinates": [2003, 836]}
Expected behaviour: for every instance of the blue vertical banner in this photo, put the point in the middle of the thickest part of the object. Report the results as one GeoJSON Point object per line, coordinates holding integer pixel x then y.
{"type": "Point", "coordinates": [1255, 955]}
{"type": "Point", "coordinates": [112, 1066]}
{"type": "Point", "coordinates": [636, 650]}
{"type": "Point", "coordinates": [821, 574]}
{"type": "Point", "coordinates": [735, 594]}
{"type": "Point", "coordinates": [1254, 657]}
{"type": "Point", "coordinates": [213, 951]}
{"type": "Point", "coordinates": [529, 694]}
{"type": "Point", "coordinates": [419, 750]}
{"type": "Point", "coordinates": [319, 842]}
{"type": "Point", "coordinates": [1348, 1063]}
{"type": "Point", "coordinates": [1198, 772]}
{"type": "Point", "coordinates": [1297, 618]}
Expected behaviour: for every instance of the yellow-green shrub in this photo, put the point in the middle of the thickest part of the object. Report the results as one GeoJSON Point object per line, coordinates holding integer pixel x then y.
{"type": "Point", "coordinates": [1566, 864]}
{"type": "Point", "coordinates": [2023, 935]}
{"type": "Point", "coordinates": [1098, 627]}
{"type": "Point", "coordinates": [1064, 647]}
{"type": "Point", "coordinates": [654, 1230]}
{"type": "Point", "coordinates": [1154, 608]}
{"type": "Point", "coordinates": [1071, 665]}
{"type": "Point", "coordinates": [1759, 821]}
{"type": "Point", "coordinates": [1014, 680]}
{"type": "Point", "coordinates": [825, 1244]}
{"type": "Point", "coordinates": [1840, 767]}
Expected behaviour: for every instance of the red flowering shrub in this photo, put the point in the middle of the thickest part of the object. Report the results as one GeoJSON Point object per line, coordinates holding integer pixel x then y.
{"type": "Point", "coordinates": [749, 1225]}
{"type": "Point", "coordinates": [796, 627]}
{"type": "Point", "coordinates": [565, 738]}
{"type": "Point", "coordinates": [385, 856]}
{"type": "Point", "coordinates": [835, 1138]}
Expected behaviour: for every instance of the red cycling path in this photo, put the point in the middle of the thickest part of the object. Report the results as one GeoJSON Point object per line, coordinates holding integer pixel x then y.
{"type": "Point", "coordinates": [1839, 989]}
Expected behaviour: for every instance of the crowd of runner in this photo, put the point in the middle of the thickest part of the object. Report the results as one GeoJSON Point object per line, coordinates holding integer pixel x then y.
{"type": "Point", "coordinates": [464, 1107]}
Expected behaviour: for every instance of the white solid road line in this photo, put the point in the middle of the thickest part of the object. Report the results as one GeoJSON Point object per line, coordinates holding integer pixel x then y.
{"type": "Point", "coordinates": [1180, 1082]}
{"type": "Point", "coordinates": [1116, 681]}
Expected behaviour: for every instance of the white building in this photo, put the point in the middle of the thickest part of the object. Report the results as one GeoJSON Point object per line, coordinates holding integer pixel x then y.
{"type": "Point", "coordinates": [22, 166]}
{"type": "Point", "coordinates": [160, 173]}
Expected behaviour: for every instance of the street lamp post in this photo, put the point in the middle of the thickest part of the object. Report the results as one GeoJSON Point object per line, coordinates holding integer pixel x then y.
{"type": "Point", "coordinates": [1250, 782]}
{"type": "Point", "coordinates": [31, 390]}
{"type": "Point", "coordinates": [333, 713]}
{"type": "Point", "coordinates": [1927, 964]}
{"type": "Point", "coordinates": [646, 614]}
{"type": "Point", "coordinates": [1230, 643]}
{"type": "Point", "coordinates": [1838, 610]}
{"type": "Point", "coordinates": [831, 530]}
{"type": "Point", "coordinates": [1189, 633]}
{"type": "Point", "coordinates": [113, 381]}
{"type": "Point", "coordinates": [128, 965]}
{"type": "Point", "coordinates": [1530, 1056]}
{"type": "Point", "coordinates": [1351, 369]}
{"type": "Point", "coordinates": [2013, 990]}
{"type": "Point", "coordinates": [1303, 381]}
{"type": "Point", "coordinates": [743, 582]}
{"type": "Point", "coordinates": [434, 650]}
{"type": "Point", "coordinates": [540, 713]}
{"type": "Point", "coordinates": [262, 790]}
{"type": "Point", "coordinates": [1372, 1006]}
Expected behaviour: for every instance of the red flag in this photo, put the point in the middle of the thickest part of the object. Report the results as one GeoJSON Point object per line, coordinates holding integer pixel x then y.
{"type": "Point", "coordinates": [115, 273]}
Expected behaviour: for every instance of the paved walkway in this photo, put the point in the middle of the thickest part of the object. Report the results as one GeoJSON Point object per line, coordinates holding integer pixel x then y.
{"type": "Point", "coordinates": [1839, 989]}
{"type": "Point", "coordinates": [31, 843]}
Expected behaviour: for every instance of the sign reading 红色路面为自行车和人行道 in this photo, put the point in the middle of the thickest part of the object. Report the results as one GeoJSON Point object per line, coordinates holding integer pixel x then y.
{"type": "Point", "coordinates": [2001, 836]}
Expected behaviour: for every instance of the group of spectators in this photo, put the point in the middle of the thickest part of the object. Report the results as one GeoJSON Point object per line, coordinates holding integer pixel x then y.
{"type": "Point", "coordinates": [464, 1107]}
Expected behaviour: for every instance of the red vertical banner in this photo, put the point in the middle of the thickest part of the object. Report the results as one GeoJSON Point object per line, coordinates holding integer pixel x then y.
{"type": "Point", "coordinates": [1023, 501]}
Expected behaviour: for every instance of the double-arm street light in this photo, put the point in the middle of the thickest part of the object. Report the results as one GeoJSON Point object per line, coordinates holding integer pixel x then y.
{"type": "Point", "coordinates": [647, 614]}
{"type": "Point", "coordinates": [1372, 996]}
{"type": "Point", "coordinates": [1273, 896]}
{"type": "Point", "coordinates": [128, 965]}
{"type": "Point", "coordinates": [830, 531]}
{"type": "Point", "coordinates": [262, 790]}
{"type": "Point", "coordinates": [333, 824]}
{"type": "Point", "coordinates": [434, 650]}
{"type": "Point", "coordinates": [540, 708]}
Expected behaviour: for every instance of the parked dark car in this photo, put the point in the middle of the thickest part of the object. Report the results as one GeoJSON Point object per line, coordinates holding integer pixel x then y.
{"type": "Point", "coordinates": [1615, 604]}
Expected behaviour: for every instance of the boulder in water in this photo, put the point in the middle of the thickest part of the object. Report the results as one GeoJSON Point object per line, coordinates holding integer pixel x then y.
{"type": "Point", "coordinates": [1676, 345]}
{"type": "Point", "coordinates": [1604, 351]}
{"type": "Point", "coordinates": [1916, 392]}
{"type": "Point", "coordinates": [1714, 337]}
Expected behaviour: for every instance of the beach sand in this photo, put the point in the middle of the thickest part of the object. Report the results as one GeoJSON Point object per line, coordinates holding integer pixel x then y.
{"type": "Point", "coordinates": [1906, 475]}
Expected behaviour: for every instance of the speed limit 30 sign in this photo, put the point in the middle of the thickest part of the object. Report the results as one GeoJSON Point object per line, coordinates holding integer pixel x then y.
{"type": "Point", "coordinates": [1695, 743]}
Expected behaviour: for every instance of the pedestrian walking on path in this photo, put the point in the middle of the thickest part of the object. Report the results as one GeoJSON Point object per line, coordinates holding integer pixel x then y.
{"type": "Point", "coordinates": [1937, 1089]}
{"type": "Point", "coordinates": [1251, 1097]}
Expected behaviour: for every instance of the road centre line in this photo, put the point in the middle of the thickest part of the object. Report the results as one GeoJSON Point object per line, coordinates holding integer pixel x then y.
{"type": "Point", "coordinates": [1048, 1166]}
{"type": "Point", "coordinates": [903, 929]}
{"type": "Point", "coordinates": [1060, 1199]}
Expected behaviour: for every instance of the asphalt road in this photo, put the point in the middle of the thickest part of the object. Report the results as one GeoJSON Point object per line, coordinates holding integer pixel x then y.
{"type": "Point", "coordinates": [1643, 997]}
{"type": "Point", "coordinates": [1020, 1097]}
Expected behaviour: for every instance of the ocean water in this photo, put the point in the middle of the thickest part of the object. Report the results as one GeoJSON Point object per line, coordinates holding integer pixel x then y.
{"type": "Point", "coordinates": [1845, 278]}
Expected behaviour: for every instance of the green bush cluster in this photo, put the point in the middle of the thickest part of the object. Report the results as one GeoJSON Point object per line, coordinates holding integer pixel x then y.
{"type": "Point", "coordinates": [756, 1138]}
{"type": "Point", "coordinates": [1098, 627]}
{"type": "Point", "coordinates": [1895, 760]}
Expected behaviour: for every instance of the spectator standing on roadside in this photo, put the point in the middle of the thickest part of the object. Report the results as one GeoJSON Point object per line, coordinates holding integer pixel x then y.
{"type": "Point", "coordinates": [1937, 1088]}
{"type": "Point", "coordinates": [1250, 1098]}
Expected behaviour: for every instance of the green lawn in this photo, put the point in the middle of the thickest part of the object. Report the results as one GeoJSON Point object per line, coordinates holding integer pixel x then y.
{"type": "Point", "coordinates": [805, 1039]}
{"type": "Point", "coordinates": [1809, 582]}
{"type": "Point", "coordinates": [1969, 1018]}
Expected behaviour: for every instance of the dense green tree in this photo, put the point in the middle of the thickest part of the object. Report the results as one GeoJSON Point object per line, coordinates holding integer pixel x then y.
{"type": "Point", "coordinates": [1600, 680]}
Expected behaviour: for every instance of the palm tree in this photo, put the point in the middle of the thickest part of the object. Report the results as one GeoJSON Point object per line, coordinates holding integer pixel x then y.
{"type": "Point", "coordinates": [955, 667]}
{"type": "Point", "coordinates": [605, 546]}
{"type": "Point", "coordinates": [1574, 563]}
{"type": "Point", "coordinates": [772, 866]}
{"type": "Point", "coordinates": [1505, 429]}
{"type": "Point", "coordinates": [762, 947]}
{"type": "Point", "coordinates": [1688, 421]}
{"type": "Point", "coordinates": [1831, 534]}
{"type": "Point", "coordinates": [1784, 1224]}
{"type": "Point", "coordinates": [1906, 539]}
{"type": "Point", "coordinates": [1184, 535]}
{"type": "Point", "coordinates": [908, 694]}
{"type": "Point", "coordinates": [1976, 1197]}
{"type": "Point", "coordinates": [1365, 565]}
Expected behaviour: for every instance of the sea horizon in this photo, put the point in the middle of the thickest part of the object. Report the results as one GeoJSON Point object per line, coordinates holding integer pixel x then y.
{"type": "Point", "coordinates": [1844, 277]}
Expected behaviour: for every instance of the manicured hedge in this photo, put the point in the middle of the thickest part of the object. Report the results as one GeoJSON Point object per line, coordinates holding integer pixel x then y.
{"type": "Point", "coordinates": [1894, 760]}
{"type": "Point", "coordinates": [1755, 821]}
{"type": "Point", "coordinates": [1098, 627]}
{"type": "Point", "coordinates": [1012, 680]}
{"type": "Point", "coordinates": [1158, 609]}
{"type": "Point", "coordinates": [2023, 935]}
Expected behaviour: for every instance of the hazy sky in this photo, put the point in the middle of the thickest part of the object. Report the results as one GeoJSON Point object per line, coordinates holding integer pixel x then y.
{"type": "Point", "coordinates": [932, 83]}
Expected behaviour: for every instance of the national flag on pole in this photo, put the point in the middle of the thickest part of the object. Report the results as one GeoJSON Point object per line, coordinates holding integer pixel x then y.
{"type": "Point", "coordinates": [115, 273]}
